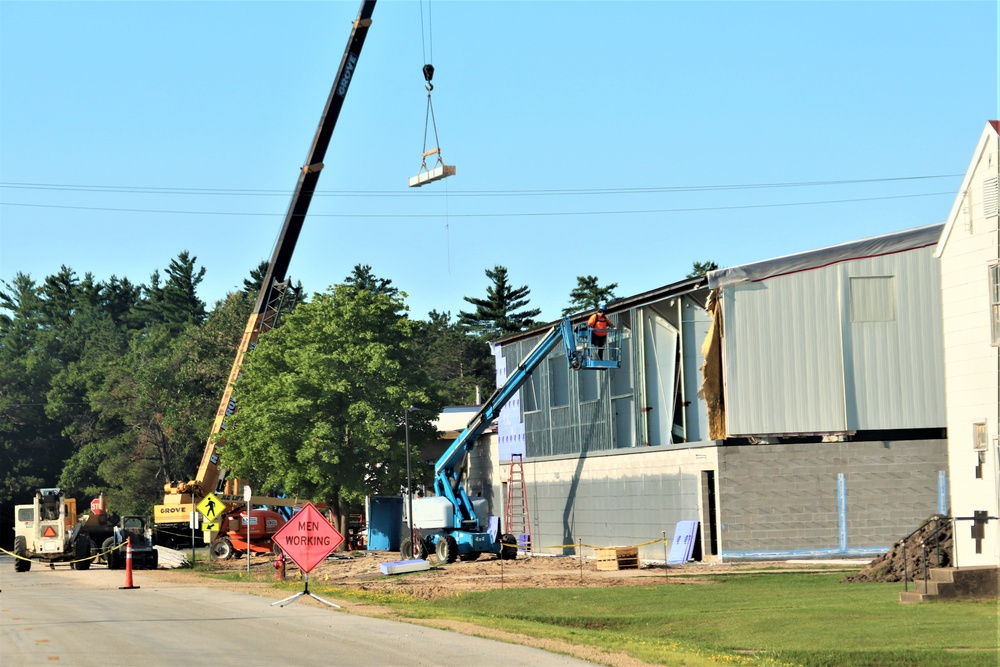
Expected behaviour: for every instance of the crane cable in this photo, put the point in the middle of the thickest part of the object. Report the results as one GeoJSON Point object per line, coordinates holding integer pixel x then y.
{"type": "Point", "coordinates": [428, 70]}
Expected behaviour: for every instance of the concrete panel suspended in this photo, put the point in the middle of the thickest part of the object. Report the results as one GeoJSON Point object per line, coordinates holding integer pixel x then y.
{"type": "Point", "coordinates": [431, 175]}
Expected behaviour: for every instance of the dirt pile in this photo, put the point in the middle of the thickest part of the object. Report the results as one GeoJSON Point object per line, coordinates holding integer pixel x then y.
{"type": "Point", "coordinates": [891, 565]}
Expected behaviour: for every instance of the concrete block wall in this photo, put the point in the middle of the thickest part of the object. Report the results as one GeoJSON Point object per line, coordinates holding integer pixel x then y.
{"type": "Point", "coordinates": [784, 500]}
{"type": "Point", "coordinates": [615, 499]}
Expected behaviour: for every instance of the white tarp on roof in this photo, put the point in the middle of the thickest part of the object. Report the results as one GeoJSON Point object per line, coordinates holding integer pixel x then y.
{"type": "Point", "coordinates": [871, 247]}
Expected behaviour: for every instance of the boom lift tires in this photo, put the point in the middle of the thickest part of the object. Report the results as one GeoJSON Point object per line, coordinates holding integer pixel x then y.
{"type": "Point", "coordinates": [447, 549]}
{"type": "Point", "coordinates": [418, 550]}
{"type": "Point", "coordinates": [21, 551]}
{"type": "Point", "coordinates": [222, 549]}
{"type": "Point", "coordinates": [421, 550]}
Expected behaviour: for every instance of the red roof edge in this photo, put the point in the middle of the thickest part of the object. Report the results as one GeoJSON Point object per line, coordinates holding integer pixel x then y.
{"type": "Point", "coordinates": [996, 125]}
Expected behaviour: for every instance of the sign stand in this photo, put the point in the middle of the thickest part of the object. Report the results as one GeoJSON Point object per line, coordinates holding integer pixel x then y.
{"type": "Point", "coordinates": [308, 538]}
{"type": "Point", "coordinates": [246, 497]}
{"type": "Point", "coordinates": [290, 600]}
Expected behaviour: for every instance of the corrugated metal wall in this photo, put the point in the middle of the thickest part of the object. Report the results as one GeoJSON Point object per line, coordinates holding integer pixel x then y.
{"type": "Point", "coordinates": [568, 412]}
{"type": "Point", "coordinates": [897, 364]}
{"type": "Point", "coordinates": [578, 425]}
{"type": "Point", "coordinates": [810, 353]}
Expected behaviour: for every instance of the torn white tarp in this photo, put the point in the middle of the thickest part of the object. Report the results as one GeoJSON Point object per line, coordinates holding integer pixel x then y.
{"type": "Point", "coordinates": [875, 246]}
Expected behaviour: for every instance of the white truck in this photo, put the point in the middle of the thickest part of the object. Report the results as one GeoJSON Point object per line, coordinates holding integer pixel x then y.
{"type": "Point", "coordinates": [48, 531]}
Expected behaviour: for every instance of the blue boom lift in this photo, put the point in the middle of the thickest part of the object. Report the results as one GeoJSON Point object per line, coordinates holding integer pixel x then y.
{"type": "Point", "coordinates": [453, 525]}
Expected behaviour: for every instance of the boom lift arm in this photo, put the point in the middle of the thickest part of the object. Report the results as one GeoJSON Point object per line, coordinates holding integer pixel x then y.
{"type": "Point", "coordinates": [465, 531]}
{"type": "Point", "coordinates": [210, 476]}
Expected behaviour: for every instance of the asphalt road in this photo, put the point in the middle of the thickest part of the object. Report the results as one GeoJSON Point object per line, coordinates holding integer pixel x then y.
{"type": "Point", "coordinates": [77, 619]}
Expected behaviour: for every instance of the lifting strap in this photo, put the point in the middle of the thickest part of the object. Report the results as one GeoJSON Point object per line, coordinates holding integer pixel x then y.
{"type": "Point", "coordinates": [430, 121]}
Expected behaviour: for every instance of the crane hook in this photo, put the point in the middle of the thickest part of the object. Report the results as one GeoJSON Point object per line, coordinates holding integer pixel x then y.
{"type": "Point", "coordinates": [428, 75]}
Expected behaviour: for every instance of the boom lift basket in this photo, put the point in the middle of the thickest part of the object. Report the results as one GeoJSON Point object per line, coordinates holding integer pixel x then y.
{"type": "Point", "coordinates": [590, 354]}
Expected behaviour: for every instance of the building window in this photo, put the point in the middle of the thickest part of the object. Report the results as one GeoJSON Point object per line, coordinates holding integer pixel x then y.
{"type": "Point", "coordinates": [991, 196]}
{"type": "Point", "coordinates": [559, 381]}
{"type": "Point", "coordinates": [979, 444]}
{"type": "Point", "coordinates": [995, 303]}
{"type": "Point", "coordinates": [979, 436]}
{"type": "Point", "coordinates": [872, 299]}
{"type": "Point", "coordinates": [589, 386]}
{"type": "Point", "coordinates": [529, 394]}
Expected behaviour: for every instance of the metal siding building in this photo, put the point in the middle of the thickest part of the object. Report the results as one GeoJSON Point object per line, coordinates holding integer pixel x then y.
{"type": "Point", "coordinates": [835, 341]}
{"type": "Point", "coordinates": [840, 344]}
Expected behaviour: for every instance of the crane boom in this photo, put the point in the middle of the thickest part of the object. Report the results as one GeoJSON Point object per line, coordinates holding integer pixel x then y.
{"type": "Point", "coordinates": [274, 284]}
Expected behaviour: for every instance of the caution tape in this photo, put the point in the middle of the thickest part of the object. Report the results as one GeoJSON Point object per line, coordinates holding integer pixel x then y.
{"type": "Point", "coordinates": [10, 553]}
{"type": "Point", "coordinates": [591, 546]}
{"type": "Point", "coordinates": [78, 560]}
{"type": "Point", "coordinates": [170, 532]}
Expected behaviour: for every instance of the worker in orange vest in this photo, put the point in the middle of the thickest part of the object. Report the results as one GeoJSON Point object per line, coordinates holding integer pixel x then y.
{"type": "Point", "coordinates": [599, 325]}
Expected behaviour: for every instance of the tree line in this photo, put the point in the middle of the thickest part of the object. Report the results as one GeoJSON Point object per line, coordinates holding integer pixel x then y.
{"type": "Point", "coordinates": [111, 386]}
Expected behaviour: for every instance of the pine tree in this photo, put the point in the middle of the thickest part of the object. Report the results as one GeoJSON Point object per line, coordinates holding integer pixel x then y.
{"type": "Point", "coordinates": [588, 294]}
{"type": "Point", "coordinates": [702, 268]}
{"type": "Point", "coordinates": [362, 278]}
{"type": "Point", "coordinates": [500, 312]}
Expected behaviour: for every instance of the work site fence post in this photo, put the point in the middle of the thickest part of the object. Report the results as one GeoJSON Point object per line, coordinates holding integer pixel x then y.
{"type": "Point", "coordinates": [665, 575]}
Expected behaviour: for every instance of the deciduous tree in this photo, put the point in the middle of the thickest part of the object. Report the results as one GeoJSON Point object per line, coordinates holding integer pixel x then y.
{"type": "Point", "coordinates": [321, 400]}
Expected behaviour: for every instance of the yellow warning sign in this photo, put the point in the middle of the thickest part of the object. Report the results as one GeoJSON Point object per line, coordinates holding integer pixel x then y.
{"type": "Point", "coordinates": [211, 527]}
{"type": "Point", "coordinates": [211, 508]}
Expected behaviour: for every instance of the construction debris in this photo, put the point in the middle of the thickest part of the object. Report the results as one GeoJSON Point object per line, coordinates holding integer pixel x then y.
{"type": "Point", "coordinates": [891, 565]}
{"type": "Point", "coordinates": [171, 558]}
{"type": "Point", "coordinates": [403, 566]}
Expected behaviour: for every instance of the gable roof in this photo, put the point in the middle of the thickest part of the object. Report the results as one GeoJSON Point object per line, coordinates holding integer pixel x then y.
{"type": "Point", "coordinates": [875, 246]}
{"type": "Point", "coordinates": [992, 129]}
{"type": "Point", "coordinates": [679, 288]}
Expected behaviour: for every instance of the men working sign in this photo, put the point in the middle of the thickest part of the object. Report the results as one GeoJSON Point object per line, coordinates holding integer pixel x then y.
{"type": "Point", "coordinates": [307, 539]}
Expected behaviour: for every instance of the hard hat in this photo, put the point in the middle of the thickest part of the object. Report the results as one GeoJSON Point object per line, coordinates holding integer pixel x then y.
{"type": "Point", "coordinates": [602, 307]}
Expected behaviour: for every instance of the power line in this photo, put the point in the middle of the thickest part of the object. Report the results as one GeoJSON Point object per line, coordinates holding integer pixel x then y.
{"type": "Point", "coordinates": [460, 193]}
{"type": "Point", "coordinates": [488, 215]}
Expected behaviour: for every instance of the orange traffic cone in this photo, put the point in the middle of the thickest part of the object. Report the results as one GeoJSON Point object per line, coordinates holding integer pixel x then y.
{"type": "Point", "coordinates": [128, 565]}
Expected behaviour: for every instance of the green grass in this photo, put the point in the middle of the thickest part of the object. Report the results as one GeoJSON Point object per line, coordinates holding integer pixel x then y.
{"type": "Point", "coordinates": [759, 619]}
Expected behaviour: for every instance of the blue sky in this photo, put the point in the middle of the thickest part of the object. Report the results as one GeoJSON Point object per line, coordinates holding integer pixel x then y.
{"type": "Point", "coordinates": [590, 138]}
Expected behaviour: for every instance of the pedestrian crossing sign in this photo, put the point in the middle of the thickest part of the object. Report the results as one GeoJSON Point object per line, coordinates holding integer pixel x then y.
{"type": "Point", "coordinates": [211, 508]}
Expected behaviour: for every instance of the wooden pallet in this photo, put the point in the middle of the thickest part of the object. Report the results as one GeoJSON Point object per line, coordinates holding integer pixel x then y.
{"type": "Point", "coordinates": [618, 558]}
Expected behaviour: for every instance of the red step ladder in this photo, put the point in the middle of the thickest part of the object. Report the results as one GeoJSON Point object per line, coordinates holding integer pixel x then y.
{"type": "Point", "coordinates": [518, 520]}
